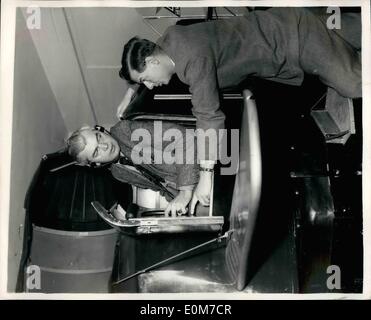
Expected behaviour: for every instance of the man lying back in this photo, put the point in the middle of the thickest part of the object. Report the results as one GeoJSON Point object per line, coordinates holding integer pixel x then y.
{"type": "Point", "coordinates": [130, 160]}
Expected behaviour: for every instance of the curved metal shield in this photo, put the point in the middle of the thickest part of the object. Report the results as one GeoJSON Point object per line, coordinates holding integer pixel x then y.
{"type": "Point", "coordinates": [246, 195]}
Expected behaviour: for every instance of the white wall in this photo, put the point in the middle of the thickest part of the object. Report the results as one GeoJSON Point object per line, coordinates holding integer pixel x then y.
{"type": "Point", "coordinates": [99, 35]}
{"type": "Point", "coordinates": [58, 58]}
{"type": "Point", "coordinates": [38, 128]}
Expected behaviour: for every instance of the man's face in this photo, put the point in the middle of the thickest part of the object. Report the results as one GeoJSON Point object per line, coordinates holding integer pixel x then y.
{"type": "Point", "coordinates": [100, 147]}
{"type": "Point", "coordinates": [155, 74]}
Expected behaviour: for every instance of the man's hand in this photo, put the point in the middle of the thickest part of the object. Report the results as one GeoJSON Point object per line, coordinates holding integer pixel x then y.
{"type": "Point", "coordinates": [202, 191]}
{"type": "Point", "coordinates": [118, 212]}
{"type": "Point", "coordinates": [179, 204]}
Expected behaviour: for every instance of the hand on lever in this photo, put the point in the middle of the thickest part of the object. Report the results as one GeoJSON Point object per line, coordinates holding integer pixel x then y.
{"type": "Point", "coordinates": [118, 212]}
{"type": "Point", "coordinates": [178, 205]}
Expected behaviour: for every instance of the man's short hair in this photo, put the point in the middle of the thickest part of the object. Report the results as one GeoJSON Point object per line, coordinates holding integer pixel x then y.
{"type": "Point", "coordinates": [76, 143]}
{"type": "Point", "coordinates": [134, 56]}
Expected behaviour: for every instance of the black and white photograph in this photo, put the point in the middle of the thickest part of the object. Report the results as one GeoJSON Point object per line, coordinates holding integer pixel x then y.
{"type": "Point", "coordinates": [185, 150]}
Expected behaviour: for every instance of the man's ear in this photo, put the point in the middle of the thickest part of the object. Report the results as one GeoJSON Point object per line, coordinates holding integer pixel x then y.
{"type": "Point", "coordinates": [152, 60]}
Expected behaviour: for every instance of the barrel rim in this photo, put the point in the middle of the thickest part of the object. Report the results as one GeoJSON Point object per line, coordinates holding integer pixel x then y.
{"type": "Point", "coordinates": [75, 233]}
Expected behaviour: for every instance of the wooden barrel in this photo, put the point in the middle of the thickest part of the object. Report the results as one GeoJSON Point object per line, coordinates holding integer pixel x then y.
{"type": "Point", "coordinates": [71, 262]}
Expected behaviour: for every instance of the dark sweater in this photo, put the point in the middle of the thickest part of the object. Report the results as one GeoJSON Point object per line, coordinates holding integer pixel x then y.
{"type": "Point", "coordinates": [278, 44]}
{"type": "Point", "coordinates": [180, 176]}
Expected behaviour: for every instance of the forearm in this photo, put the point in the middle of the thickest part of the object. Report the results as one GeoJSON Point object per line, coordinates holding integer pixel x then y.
{"type": "Point", "coordinates": [201, 74]}
{"type": "Point", "coordinates": [129, 96]}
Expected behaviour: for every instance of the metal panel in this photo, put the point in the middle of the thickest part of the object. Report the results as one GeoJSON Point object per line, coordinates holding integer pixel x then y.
{"type": "Point", "coordinates": [246, 194]}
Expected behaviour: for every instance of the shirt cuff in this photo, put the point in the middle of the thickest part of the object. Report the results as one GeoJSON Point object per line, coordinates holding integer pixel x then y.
{"type": "Point", "coordinates": [189, 187]}
{"type": "Point", "coordinates": [207, 163]}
